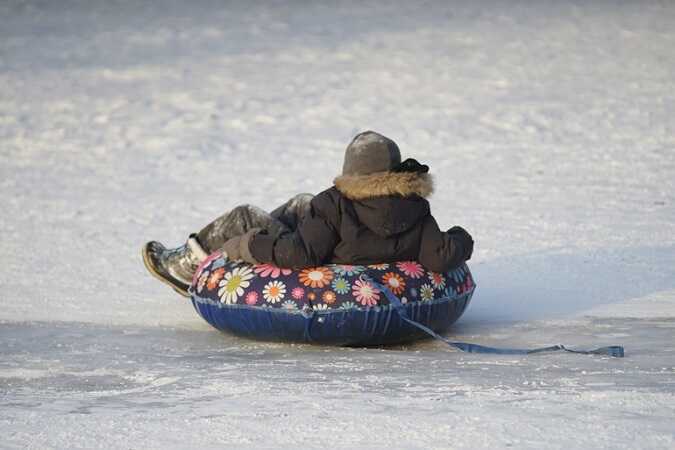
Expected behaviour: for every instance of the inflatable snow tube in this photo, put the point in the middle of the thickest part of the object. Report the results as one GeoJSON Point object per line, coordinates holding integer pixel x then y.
{"type": "Point", "coordinates": [332, 304]}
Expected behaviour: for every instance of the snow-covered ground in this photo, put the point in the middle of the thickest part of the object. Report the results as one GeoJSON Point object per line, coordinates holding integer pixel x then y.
{"type": "Point", "coordinates": [549, 126]}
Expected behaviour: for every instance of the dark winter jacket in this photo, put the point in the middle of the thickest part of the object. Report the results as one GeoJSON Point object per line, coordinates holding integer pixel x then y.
{"type": "Point", "coordinates": [377, 218]}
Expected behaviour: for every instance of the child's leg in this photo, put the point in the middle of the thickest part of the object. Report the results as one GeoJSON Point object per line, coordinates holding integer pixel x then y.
{"type": "Point", "coordinates": [293, 211]}
{"type": "Point", "coordinates": [235, 223]}
{"type": "Point", "coordinates": [176, 266]}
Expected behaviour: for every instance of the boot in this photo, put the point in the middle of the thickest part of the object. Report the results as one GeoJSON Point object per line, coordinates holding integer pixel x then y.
{"type": "Point", "coordinates": [175, 266]}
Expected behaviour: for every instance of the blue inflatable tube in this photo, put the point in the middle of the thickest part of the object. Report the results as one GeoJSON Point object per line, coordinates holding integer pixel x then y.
{"type": "Point", "coordinates": [333, 304]}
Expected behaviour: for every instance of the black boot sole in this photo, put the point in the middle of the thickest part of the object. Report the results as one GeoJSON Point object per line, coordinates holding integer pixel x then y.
{"type": "Point", "coordinates": [165, 278]}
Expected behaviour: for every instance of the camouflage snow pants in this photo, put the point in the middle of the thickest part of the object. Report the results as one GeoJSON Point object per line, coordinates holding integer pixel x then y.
{"type": "Point", "coordinates": [284, 219]}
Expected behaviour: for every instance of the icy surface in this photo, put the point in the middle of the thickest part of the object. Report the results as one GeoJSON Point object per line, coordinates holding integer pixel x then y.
{"type": "Point", "coordinates": [549, 127]}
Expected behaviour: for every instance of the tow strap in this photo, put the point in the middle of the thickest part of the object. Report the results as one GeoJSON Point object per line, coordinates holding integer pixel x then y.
{"type": "Point", "coordinates": [615, 351]}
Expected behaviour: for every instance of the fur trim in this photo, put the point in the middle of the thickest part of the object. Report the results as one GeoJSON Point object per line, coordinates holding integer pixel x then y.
{"type": "Point", "coordinates": [380, 184]}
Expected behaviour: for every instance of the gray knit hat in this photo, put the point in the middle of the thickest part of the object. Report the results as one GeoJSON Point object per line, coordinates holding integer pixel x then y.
{"type": "Point", "coordinates": [370, 152]}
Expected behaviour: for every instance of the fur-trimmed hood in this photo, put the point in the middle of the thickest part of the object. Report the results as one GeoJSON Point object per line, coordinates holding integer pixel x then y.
{"type": "Point", "coordinates": [380, 184]}
{"type": "Point", "coordinates": [387, 203]}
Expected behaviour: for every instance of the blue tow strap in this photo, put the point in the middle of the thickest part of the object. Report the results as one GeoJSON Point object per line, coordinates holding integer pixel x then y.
{"type": "Point", "coordinates": [615, 351]}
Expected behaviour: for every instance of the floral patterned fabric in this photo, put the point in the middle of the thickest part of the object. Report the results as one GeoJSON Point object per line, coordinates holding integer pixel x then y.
{"type": "Point", "coordinates": [332, 286]}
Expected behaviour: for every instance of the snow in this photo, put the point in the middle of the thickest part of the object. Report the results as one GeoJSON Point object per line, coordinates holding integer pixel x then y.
{"type": "Point", "coordinates": [548, 127]}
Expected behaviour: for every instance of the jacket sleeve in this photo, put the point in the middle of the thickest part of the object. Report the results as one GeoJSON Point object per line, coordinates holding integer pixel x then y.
{"type": "Point", "coordinates": [311, 244]}
{"type": "Point", "coordinates": [441, 251]}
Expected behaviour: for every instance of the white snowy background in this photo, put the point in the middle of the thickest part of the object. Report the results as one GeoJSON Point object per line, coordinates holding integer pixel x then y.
{"type": "Point", "coordinates": [550, 128]}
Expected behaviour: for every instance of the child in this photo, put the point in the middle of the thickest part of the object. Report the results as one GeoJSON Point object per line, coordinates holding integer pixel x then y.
{"type": "Point", "coordinates": [376, 212]}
